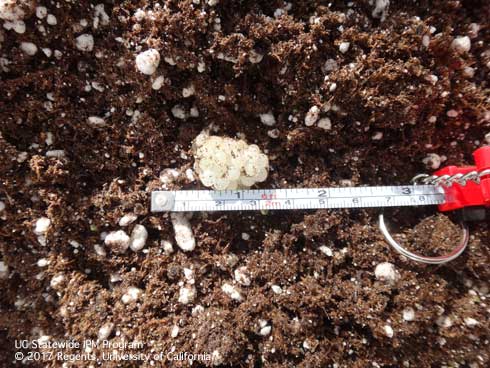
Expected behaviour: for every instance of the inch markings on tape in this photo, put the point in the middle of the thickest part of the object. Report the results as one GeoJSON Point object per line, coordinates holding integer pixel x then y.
{"type": "Point", "coordinates": [292, 199]}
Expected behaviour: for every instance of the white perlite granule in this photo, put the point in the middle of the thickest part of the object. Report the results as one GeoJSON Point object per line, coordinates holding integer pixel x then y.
{"type": "Point", "coordinates": [408, 314]}
{"type": "Point", "coordinates": [201, 66]}
{"type": "Point", "coordinates": [118, 241]}
{"type": "Point", "coordinates": [344, 47]}
{"type": "Point", "coordinates": [386, 272]}
{"type": "Point", "coordinates": [273, 133]}
{"type": "Point", "coordinates": [231, 291]}
{"type": "Point", "coordinates": [473, 30]}
{"type": "Point", "coordinates": [470, 322]}
{"type": "Point", "coordinates": [276, 289]}
{"type": "Point", "coordinates": [51, 20]}
{"type": "Point", "coordinates": [452, 113]}
{"type": "Point", "coordinates": [56, 153]}
{"type": "Point", "coordinates": [174, 331]}
{"type": "Point", "coordinates": [158, 83]}
{"type": "Point", "coordinates": [105, 331]}
{"type": "Point", "coordinates": [312, 115]}
{"type": "Point", "coordinates": [326, 250]}
{"type": "Point", "coordinates": [57, 280]}
{"type": "Point", "coordinates": [169, 60]}
{"type": "Point", "coordinates": [132, 294]}
{"type": "Point", "coordinates": [242, 276]}
{"type": "Point", "coordinates": [254, 57]}
{"type": "Point", "coordinates": [194, 112]}
{"type": "Point", "coordinates": [469, 72]}
{"type": "Point", "coordinates": [265, 328]}
{"type": "Point", "coordinates": [99, 250]}
{"type": "Point", "coordinates": [188, 91]}
{"type": "Point", "coordinates": [461, 44]}
{"type": "Point", "coordinates": [187, 294]}
{"type": "Point", "coordinates": [127, 219]}
{"type": "Point", "coordinates": [216, 357]}
{"type": "Point", "coordinates": [167, 247]}
{"type": "Point", "coordinates": [267, 119]}
{"type": "Point", "coordinates": [147, 61]}
{"type": "Point", "coordinates": [231, 259]}
{"type": "Point", "coordinates": [96, 121]}
{"type": "Point", "coordinates": [15, 10]}
{"type": "Point", "coordinates": [487, 138]}
{"type": "Point", "coordinates": [388, 331]}
{"type": "Point", "coordinates": [85, 42]}
{"type": "Point", "coordinates": [28, 48]}
{"type": "Point", "coordinates": [189, 174]}
{"type": "Point", "coordinates": [42, 226]}
{"type": "Point", "coordinates": [380, 9]}
{"type": "Point", "coordinates": [189, 275]}
{"type": "Point", "coordinates": [432, 79]}
{"type": "Point", "coordinates": [138, 238]}
{"type": "Point", "coordinates": [168, 176]}
{"type": "Point", "coordinates": [49, 138]}
{"type": "Point", "coordinates": [100, 16]}
{"type": "Point", "coordinates": [18, 26]}
{"type": "Point", "coordinates": [178, 111]}
{"type": "Point", "coordinates": [433, 160]}
{"type": "Point", "coordinates": [183, 232]}
{"type": "Point", "coordinates": [4, 270]}
{"type": "Point", "coordinates": [444, 321]}
{"type": "Point", "coordinates": [197, 310]}
{"type": "Point", "coordinates": [139, 15]}
{"type": "Point", "coordinates": [42, 262]}
{"type": "Point", "coordinates": [330, 65]}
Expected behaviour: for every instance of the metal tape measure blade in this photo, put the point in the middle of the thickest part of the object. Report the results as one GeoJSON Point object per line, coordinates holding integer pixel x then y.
{"type": "Point", "coordinates": [296, 198]}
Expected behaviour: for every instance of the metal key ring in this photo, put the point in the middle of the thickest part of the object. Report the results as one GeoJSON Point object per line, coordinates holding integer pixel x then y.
{"type": "Point", "coordinates": [423, 259]}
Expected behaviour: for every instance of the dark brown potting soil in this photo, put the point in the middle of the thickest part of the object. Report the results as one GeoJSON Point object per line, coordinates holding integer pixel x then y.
{"type": "Point", "coordinates": [400, 82]}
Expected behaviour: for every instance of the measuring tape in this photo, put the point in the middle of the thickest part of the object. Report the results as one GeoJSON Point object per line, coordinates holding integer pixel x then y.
{"type": "Point", "coordinates": [451, 188]}
{"type": "Point", "coordinates": [295, 199]}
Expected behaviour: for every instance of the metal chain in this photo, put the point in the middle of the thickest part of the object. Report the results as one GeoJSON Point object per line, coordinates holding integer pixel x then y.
{"type": "Point", "coordinates": [449, 180]}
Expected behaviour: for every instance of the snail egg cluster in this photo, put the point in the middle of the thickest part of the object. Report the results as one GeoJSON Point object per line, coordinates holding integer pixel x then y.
{"type": "Point", "coordinates": [225, 163]}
